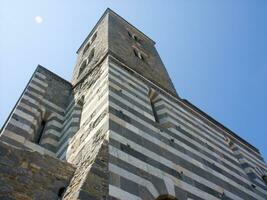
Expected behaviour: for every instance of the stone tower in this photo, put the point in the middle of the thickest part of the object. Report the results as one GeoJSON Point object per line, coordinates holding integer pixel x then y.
{"type": "Point", "coordinates": [119, 130]}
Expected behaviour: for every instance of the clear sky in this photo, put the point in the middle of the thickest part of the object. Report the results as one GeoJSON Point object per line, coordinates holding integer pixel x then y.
{"type": "Point", "coordinates": [215, 51]}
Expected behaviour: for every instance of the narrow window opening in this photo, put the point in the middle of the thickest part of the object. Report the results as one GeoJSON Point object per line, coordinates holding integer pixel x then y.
{"type": "Point", "coordinates": [130, 35]}
{"type": "Point", "coordinates": [135, 38]}
{"type": "Point", "coordinates": [94, 37]}
{"type": "Point", "coordinates": [92, 54]}
{"type": "Point", "coordinates": [141, 56]}
{"type": "Point", "coordinates": [40, 131]}
{"type": "Point", "coordinates": [61, 192]}
{"type": "Point", "coordinates": [86, 47]}
{"type": "Point", "coordinates": [82, 67]}
{"type": "Point", "coordinates": [136, 53]}
{"type": "Point", "coordinates": [152, 94]}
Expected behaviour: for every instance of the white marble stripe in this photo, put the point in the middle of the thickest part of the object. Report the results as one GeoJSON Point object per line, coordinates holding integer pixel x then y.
{"type": "Point", "coordinates": [126, 85]}
{"type": "Point", "coordinates": [92, 133]}
{"type": "Point", "coordinates": [50, 141]}
{"type": "Point", "coordinates": [64, 132]}
{"type": "Point", "coordinates": [40, 75]}
{"type": "Point", "coordinates": [141, 85]}
{"type": "Point", "coordinates": [134, 98]}
{"type": "Point", "coordinates": [178, 142]}
{"type": "Point", "coordinates": [26, 116]}
{"type": "Point", "coordinates": [177, 107]}
{"type": "Point", "coordinates": [121, 194]}
{"type": "Point", "coordinates": [170, 164]}
{"type": "Point", "coordinates": [252, 158]}
{"type": "Point", "coordinates": [14, 136]}
{"type": "Point", "coordinates": [158, 173]}
{"type": "Point", "coordinates": [194, 127]}
{"type": "Point", "coordinates": [98, 84]}
{"type": "Point", "coordinates": [74, 111]}
{"type": "Point", "coordinates": [23, 126]}
{"type": "Point", "coordinates": [130, 105]}
{"type": "Point", "coordinates": [35, 87]}
{"type": "Point", "coordinates": [184, 156]}
{"type": "Point", "coordinates": [129, 79]}
{"type": "Point", "coordinates": [90, 108]}
{"type": "Point", "coordinates": [197, 133]}
{"type": "Point", "coordinates": [137, 179]}
{"type": "Point", "coordinates": [41, 82]}
{"type": "Point", "coordinates": [45, 101]}
{"type": "Point", "coordinates": [63, 146]}
{"type": "Point", "coordinates": [247, 159]}
{"type": "Point", "coordinates": [52, 132]}
{"type": "Point", "coordinates": [54, 123]}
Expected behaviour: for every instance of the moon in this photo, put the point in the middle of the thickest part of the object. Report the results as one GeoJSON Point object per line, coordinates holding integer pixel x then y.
{"type": "Point", "coordinates": [38, 19]}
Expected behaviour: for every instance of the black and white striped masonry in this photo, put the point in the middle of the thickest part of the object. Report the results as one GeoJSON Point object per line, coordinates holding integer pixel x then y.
{"type": "Point", "coordinates": [130, 136]}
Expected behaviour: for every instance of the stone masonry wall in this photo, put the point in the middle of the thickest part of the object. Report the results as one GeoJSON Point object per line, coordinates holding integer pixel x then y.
{"type": "Point", "coordinates": [27, 175]}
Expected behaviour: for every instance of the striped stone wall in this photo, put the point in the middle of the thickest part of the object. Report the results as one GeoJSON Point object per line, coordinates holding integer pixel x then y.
{"type": "Point", "coordinates": [46, 97]}
{"type": "Point", "coordinates": [181, 154]}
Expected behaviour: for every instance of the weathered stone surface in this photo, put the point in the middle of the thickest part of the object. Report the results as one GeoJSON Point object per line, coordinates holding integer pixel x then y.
{"type": "Point", "coordinates": [27, 175]}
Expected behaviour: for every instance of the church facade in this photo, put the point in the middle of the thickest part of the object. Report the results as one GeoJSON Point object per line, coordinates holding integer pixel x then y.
{"type": "Point", "coordinates": [119, 130]}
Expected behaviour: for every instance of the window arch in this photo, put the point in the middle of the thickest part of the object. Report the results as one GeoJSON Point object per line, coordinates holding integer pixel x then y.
{"type": "Point", "coordinates": [82, 67]}
{"type": "Point", "coordinates": [166, 197]}
{"type": "Point", "coordinates": [86, 47]}
{"type": "Point", "coordinates": [91, 55]}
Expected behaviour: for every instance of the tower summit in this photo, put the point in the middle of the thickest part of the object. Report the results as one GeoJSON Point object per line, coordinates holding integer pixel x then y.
{"type": "Point", "coordinates": [119, 130]}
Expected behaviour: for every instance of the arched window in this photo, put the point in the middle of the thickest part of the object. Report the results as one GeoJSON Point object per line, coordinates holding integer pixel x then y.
{"type": "Point", "coordinates": [94, 37]}
{"type": "Point", "coordinates": [86, 47]}
{"type": "Point", "coordinates": [166, 197]}
{"type": "Point", "coordinates": [91, 55]}
{"type": "Point", "coordinates": [82, 67]}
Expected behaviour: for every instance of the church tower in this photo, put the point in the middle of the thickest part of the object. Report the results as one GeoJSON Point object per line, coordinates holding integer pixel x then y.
{"type": "Point", "coordinates": [119, 130]}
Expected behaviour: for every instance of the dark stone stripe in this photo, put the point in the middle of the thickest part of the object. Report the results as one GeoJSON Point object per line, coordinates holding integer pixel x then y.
{"type": "Point", "coordinates": [186, 165]}
{"type": "Point", "coordinates": [127, 76]}
{"type": "Point", "coordinates": [131, 187]}
{"type": "Point", "coordinates": [146, 101]}
{"type": "Point", "coordinates": [163, 153]}
{"type": "Point", "coordinates": [19, 131]}
{"type": "Point", "coordinates": [172, 157]}
{"type": "Point", "coordinates": [37, 118]}
{"type": "Point", "coordinates": [226, 157]}
{"type": "Point", "coordinates": [149, 131]}
{"type": "Point", "coordinates": [38, 84]}
{"type": "Point", "coordinates": [50, 135]}
{"type": "Point", "coordinates": [49, 147]}
{"type": "Point", "coordinates": [12, 142]}
{"type": "Point", "coordinates": [131, 101]}
{"type": "Point", "coordinates": [96, 92]}
{"type": "Point", "coordinates": [71, 109]}
{"type": "Point", "coordinates": [164, 115]}
{"type": "Point", "coordinates": [45, 105]}
{"type": "Point", "coordinates": [130, 84]}
{"type": "Point", "coordinates": [236, 140]}
{"type": "Point", "coordinates": [233, 161]}
{"type": "Point", "coordinates": [24, 121]}
{"type": "Point", "coordinates": [54, 118]}
{"type": "Point", "coordinates": [31, 89]}
{"type": "Point", "coordinates": [53, 127]}
{"type": "Point", "coordinates": [157, 182]}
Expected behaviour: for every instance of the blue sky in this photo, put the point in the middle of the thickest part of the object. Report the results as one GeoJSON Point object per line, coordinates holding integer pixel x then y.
{"type": "Point", "coordinates": [215, 51]}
